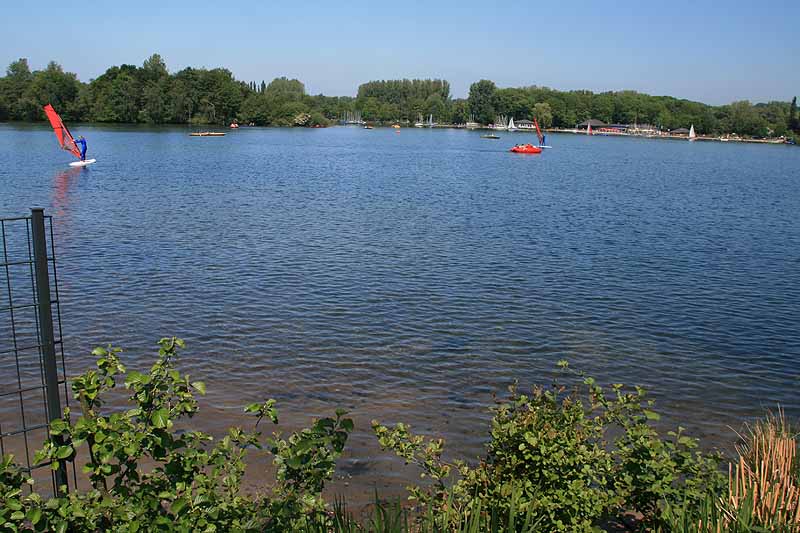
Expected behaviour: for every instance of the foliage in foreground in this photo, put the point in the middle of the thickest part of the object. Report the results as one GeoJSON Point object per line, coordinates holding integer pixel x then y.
{"type": "Point", "coordinates": [147, 475]}
{"type": "Point", "coordinates": [577, 458]}
{"type": "Point", "coordinates": [564, 458]}
{"type": "Point", "coordinates": [763, 492]}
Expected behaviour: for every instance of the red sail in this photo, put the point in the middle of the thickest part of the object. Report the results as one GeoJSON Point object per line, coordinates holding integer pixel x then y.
{"type": "Point", "coordinates": [65, 139]}
{"type": "Point", "coordinates": [538, 131]}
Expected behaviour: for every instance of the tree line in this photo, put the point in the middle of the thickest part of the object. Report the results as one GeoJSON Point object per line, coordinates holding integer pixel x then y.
{"type": "Point", "coordinates": [151, 94]}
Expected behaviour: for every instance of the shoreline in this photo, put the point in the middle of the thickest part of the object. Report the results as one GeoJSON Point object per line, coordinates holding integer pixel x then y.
{"type": "Point", "coordinates": [775, 140]}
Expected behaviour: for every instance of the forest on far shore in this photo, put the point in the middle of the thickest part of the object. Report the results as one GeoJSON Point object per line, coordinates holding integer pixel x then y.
{"type": "Point", "coordinates": [151, 94]}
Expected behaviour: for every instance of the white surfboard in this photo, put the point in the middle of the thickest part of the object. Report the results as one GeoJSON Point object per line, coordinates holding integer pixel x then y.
{"type": "Point", "coordinates": [82, 163]}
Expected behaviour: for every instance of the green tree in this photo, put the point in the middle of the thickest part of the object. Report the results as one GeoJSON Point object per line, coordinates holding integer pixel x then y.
{"type": "Point", "coordinates": [154, 68]}
{"type": "Point", "coordinates": [16, 82]}
{"type": "Point", "coordinates": [481, 101]}
{"type": "Point", "coordinates": [743, 119]}
{"type": "Point", "coordinates": [56, 87]}
{"type": "Point", "coordinates": [435, 105]}
{"type": "Point", "coordinates": [286, 89]}
{"type": "Point", "coordinates": [543, 114]}
{"type": "Point", "coordinates": [459, 112]}
{"type": "Point", "coordinates": [794, 121]}
{"type": "Point", "coordinates": [155, 102]}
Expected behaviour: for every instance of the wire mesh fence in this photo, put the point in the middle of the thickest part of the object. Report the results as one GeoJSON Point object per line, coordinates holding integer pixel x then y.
{"type": "Point", "coordinates": [33, 385]}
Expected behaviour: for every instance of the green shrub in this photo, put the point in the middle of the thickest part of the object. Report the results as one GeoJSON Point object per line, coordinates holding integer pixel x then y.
{"type": "Point", "coordinates": [557, 447]}
{"type": "Point", "coordinates": [190, 482]}
{"type": "Point", "coordinates": [565, 458]}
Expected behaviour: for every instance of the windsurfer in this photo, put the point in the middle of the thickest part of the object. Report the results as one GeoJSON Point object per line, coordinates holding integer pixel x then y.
{"type": "Point", "coordinates": [82, 143]}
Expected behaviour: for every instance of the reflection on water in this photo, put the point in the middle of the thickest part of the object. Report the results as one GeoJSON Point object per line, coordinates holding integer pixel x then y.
{"type": "Point", "coordinates": [63, 183]}
{"type": "Point", "coordinates": [409, 277]}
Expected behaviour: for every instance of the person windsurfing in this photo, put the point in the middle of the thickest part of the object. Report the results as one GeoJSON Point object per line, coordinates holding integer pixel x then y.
{"type": "Point", "coordinates": [81, 142]}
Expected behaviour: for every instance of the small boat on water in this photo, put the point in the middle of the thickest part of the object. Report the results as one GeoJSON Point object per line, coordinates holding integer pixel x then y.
{"type": "Point", "coordinates": [692, 134]}
{"type": "Point", "coordinates": [511, 126]}
{"type": "Point", "coordinates": [490, 136]}
{"type": "Point", "coordinates": [368, 127]}
{"type": "Point", "coordinates": [526, 149]}
{"type": "Point", "coordinates": [207, 134]}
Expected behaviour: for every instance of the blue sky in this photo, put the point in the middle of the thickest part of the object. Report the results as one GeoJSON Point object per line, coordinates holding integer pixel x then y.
{"type": "Point", "coordinates": [713, 51]}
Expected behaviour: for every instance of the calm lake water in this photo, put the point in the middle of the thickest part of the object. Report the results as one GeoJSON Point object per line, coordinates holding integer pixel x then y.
{"type": "Point", "coordinates": [408, 277]}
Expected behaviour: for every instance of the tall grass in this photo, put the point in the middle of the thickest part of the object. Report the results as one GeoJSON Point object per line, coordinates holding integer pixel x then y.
{"type": "Point", "coordinates": [763, 487]}
{"type": "Point", "coordinates": [767, 473]}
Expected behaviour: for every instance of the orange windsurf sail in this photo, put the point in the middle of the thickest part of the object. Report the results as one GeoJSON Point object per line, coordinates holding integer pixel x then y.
{"type": "Point", "coordinates": [538, 131]}
{"type": "Point", "coordinates": [65, 139]}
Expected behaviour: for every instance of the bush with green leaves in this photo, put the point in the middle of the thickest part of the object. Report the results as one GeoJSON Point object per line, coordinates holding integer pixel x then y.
{"type": "Point", "coordinates": [147, 475]}
{"type": "Point", "coordinates": [580, 455]}
{"type": "Point", "coordinates": [563, 458]}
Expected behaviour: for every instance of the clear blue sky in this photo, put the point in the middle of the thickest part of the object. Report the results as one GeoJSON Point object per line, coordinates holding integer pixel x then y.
{"type": "Point", "coordinates": [712, 51]}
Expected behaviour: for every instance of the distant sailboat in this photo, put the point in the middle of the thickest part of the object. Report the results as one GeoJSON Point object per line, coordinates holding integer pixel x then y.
{"type": "Point", "coordinates": [692, 134]}
{"type": "Point", "coordinates": [588, 128]}
{"type": "Point", "coordinates": [511, 126]}
{"type": "Point", "coordinates": [431, 123]}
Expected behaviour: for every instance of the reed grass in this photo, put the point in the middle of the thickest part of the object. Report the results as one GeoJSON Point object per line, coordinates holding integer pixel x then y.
{"type": "Point", "coordinates": [767, 473]}
{"type": "Point", "coordinates": [763, 486]}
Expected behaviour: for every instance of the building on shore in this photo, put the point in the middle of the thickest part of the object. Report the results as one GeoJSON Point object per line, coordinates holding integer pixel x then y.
{"type": "Point", "coordinates": [593, 121]}
{"type": "Point", "coordinates": [525, 124]}
{"type": "Point", "coordinates": [679, 131]}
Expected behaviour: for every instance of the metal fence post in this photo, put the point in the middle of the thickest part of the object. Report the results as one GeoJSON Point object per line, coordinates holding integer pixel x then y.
{"type": "Point", "coordinates": [44, 310]}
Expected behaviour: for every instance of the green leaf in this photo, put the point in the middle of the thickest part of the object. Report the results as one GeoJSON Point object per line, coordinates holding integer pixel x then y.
{"type": "Point", "coordinates": [347, 424]}
{"type": "Point", "coordinates": [651, 415]}
{"type": "Point", "coordinates": [200, 387]}
{"type": "Point", "coordinates": [160, 418]}
{"type": "Point", "coordinates": [133, 377]}
{"type": "Point", "coordinates": [17, 515]}
{"type": "Point", "coordinates": [34, 515]}
{"type": "Point", "coordinates": [63, 452]}
{"type": "Point", "coordinates": [179, 504]}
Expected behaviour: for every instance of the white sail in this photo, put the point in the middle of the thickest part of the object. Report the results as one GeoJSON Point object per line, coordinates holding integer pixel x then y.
{"type": "Point", "coordinates": [511, 126]}
{"type": "Point", "coordinates": [692, 134]}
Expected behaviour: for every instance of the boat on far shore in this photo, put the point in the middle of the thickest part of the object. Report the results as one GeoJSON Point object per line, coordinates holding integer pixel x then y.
{"type": "Point", "coordinates": [207, 134]}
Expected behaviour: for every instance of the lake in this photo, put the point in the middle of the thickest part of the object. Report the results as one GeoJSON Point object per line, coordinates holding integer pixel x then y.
{"type": "Point", "coordinates": [408, 277]}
